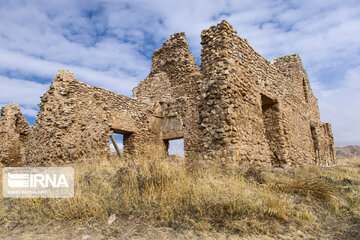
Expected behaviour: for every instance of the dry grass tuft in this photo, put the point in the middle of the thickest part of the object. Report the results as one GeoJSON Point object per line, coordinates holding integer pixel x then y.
{"type": "Point", "coordinates": [314, 188]}
{"type": "Point", "coordinates": [167, 194]}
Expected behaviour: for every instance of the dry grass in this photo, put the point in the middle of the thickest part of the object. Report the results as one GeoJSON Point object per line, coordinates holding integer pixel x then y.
{"type": "Point", "coordinates": [166, 194]}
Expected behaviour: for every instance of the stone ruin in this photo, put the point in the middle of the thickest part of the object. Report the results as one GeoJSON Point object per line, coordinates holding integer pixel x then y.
{"type": "Point", "coordinates": [238, 109]}
{"type": "Point", "coordinates": [14, 135]}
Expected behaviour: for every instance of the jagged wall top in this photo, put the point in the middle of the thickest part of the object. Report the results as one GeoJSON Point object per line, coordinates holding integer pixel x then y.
{"type": "Point", "coordinates": [173, 73]}
{"type": "Point", "coordinates": [174, 57]}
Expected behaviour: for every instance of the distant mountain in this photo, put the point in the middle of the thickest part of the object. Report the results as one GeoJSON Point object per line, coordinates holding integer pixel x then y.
{"type": "Point", "coordinates": [348, 151]}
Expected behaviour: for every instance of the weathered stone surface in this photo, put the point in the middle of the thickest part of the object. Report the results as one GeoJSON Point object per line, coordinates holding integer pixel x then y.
{"type": "Point", "coordinates": [171, 92]}
{"type": "Point", "coordinates": [238, 108]}
{"type": "Point", "coordinates": [76, 120]}
{"type": "Point", "coordinates": [267, 110]}
{"type": "Point", "coordinates": [14, 135]}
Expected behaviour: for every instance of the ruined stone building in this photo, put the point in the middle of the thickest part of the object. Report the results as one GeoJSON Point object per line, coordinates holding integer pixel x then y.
{"type": "Point", "coordinates": [238, 109]}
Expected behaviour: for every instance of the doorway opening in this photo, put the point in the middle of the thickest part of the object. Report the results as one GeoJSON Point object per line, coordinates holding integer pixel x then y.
{"type": "Point", "coordinates": [271, 116]}
{"type": "Point", "coordinates": [315, 140]}
{"type": "Point", "coordinates": [175, 147]}
{"type": "Point", "coordinates": [120, 141]}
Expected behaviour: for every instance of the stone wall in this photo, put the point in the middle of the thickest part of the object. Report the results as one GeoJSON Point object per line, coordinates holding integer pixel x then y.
{"type": "Point", "coordinates": [171, 91]}
{"type": "Point", "coordinates": [14, 135]}
{"type": "Point", "coordinates": [238, 108]}
{"type": "Point", "coordinates": [76, 120]}
{"type": "Point", "coordinates": [263, 110]}
{"type": "Point", "coordinates": [325, 151]}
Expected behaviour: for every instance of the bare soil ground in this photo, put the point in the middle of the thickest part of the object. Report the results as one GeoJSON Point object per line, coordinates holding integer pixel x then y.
{"type": "Point", "coordinates": [127, 229]}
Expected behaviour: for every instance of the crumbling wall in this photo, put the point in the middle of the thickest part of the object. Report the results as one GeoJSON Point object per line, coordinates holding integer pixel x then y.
{"type": "Point", "coordinates": [76, 120]}
{"type": "Point", "coordinates": [14, 135]}
{"type": "Point", "coordinates": [302, 111]}
{"type": "Point", "coordinates": [326, 155]}
{"type": "Point", "coordinates": [231, 113]}
{"type": "Point", "coordinates": [173, 73]}
{"type": "Point", "coordinates": [170, 90]}
{"type": "Point", "coordinates": [235, 86]}
{"type": "Point", "coordinates": [296, 88]}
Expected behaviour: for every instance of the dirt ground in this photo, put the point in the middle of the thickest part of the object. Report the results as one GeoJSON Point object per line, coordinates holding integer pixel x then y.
{"type": "Point", "coordinates": [124, 228]}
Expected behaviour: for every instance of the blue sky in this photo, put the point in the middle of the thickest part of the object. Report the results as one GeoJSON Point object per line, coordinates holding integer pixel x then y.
{"type": "Point", "coordinates": [109, 44]}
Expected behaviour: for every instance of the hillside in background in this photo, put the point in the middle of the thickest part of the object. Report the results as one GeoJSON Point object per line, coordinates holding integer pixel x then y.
{"type": "Point", "coordinates": [348, 151]}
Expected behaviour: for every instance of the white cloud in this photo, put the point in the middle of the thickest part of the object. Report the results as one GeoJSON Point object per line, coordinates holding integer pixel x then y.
{"type": "Point", "coordinates": [33, 66]}
{"type": "Point", "coordinates": [341, 107]}
{"type": "Point", "coordinates": [21, 91]}
{"type": "Point", "coordinates": [29, 112]}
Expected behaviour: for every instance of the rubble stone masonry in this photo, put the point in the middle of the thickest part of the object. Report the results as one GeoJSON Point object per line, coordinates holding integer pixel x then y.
{"type": "Point", "coordinates": [14, 135]}
{"type": "Point", "coordinates": [239, 109]}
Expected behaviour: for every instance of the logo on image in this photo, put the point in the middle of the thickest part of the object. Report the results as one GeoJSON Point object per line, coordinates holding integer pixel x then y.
{"type": "Point", "coordinates": [42, 182]}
